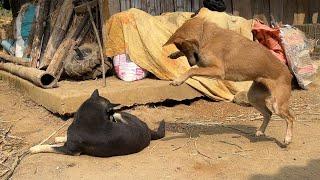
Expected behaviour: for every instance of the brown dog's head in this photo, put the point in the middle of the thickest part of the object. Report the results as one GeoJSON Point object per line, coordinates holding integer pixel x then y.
{"type": "Point", "coordinates": [190, 48]}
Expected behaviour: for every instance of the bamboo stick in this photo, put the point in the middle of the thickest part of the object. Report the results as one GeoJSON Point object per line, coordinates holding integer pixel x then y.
{"type": "Point", "coordinates": [99, 44]}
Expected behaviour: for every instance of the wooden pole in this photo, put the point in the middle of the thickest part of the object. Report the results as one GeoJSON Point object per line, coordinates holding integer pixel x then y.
{"type": "Point", "coordinates": [39, 30]}
{"type": "Point", "coordinates": [99, 44]}
{"type": "Point", "coordinates": [36, 76]}
{"type": "Point", "coordinates": [103, 23]}
{"type": "Point", "coordinates": [14, 59]}
{"type": "Point", "coordinates": [59, 32]}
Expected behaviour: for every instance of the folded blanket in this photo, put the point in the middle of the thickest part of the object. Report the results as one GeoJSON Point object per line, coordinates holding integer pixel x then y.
{"type": "Point", "coordinates": [141, 36]}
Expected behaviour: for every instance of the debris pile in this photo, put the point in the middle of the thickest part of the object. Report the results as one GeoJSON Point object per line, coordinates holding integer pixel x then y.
{"type": "Point", "coordinates": [58, 37]}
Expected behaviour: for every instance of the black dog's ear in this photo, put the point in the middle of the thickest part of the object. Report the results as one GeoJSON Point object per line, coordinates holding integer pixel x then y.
{"type": "Point", "coordinates": [95, 94]}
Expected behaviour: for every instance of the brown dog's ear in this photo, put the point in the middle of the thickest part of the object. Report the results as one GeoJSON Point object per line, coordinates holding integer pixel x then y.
{"type": "Point", "coordinates": [171, 40]}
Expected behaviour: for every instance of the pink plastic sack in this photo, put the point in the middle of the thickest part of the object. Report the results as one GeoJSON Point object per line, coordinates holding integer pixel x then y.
{"type": "Point", "coordinates": [127, 70]}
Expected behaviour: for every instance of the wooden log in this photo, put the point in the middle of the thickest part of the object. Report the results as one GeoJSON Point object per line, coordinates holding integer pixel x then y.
{"type": "Point", "coordinates": [50, 21]}
{"type": "Point", "coordinates": [47, 29]}
{"type": "Point", "coordinates": [36, 76]}
{"type": "Point", "coordinates": [82, 8]}
{"type": "Point", "coordinates": [57, 61]}
{"type": "Point", "coordinates": [68, 44]}
{"type": "Point", "coordinates": [13, 59]}
{"type": "Point", "coordinates": [39, 30]}
{"type": "Point", "coordinates": [58, 34]}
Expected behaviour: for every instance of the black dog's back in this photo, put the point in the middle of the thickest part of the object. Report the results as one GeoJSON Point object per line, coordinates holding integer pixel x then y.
{"type": "Point", "coordinates": [94, 133]}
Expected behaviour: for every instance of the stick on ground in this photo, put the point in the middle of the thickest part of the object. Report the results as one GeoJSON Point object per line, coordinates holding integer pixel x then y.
{"type": "Point", "coordinates": [55, 132]}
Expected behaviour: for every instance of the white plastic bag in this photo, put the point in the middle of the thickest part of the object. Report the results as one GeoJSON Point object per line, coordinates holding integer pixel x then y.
{"type": "Point", "coordinates": [127, 70]}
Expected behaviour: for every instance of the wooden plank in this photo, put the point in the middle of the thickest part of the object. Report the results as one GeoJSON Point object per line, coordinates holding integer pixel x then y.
{"type": "Point", "coordinates": [314, 12]}
{"type": "Point", "coordinates": [187, 6]}
{"type": "Point", "coordinates": [143, 4]}
{"type": "Point", "coordinates": [276, 10]}
{"type": "Point", "coordinates": [242, 8]}
{"type": "Point", "coordinates": [136, 4]}
{"type": "Point", "coordinates": [114, 6]}
{"type": "Point", "coordinates": [200, 3]}
{"type": "Point", "coordinates": [167, 6]}
{"type": "Point", "coordinates": [124, 5]}
{"type": "Point", "coordinates": [151, 7]}
{"type": "Point", "coordinates": [289, 9]}
{"type": "Point", "coordinates": [261, 10]}
{"type": "Point", "coordinates": [228, 5]}
{"type": "Point", "coordinates": [157, 7]}
{"type": "Point", "coordinates": [179, 5]}
{"type": "Point", "coordinates": [302, 12]}
{"type": "Point", "coordinates": [195, 5]}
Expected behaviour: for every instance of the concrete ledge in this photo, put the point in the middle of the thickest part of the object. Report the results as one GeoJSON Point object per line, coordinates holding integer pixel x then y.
{"type": "Point", "coordinates": [67, 98]}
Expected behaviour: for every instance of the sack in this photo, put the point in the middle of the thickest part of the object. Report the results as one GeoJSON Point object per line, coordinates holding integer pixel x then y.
{"type": "Point", "coordinates": [297, 50]}
{"type": "Point", "coordinates": [9, 46]}
{"type": "Point", "coordinates": [127, 70]}
{"type": "Point", "coordinates": [23, 26]}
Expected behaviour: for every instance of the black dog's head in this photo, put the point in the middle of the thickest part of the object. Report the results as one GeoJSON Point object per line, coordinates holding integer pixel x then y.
{"type": "Point", "coordinates": [102, 102]}
{"type": "Point", "coordinates": [96, 108]}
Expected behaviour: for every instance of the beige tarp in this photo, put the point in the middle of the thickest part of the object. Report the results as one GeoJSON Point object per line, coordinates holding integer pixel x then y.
{"type": "Point", "coordinates": [142, 36]}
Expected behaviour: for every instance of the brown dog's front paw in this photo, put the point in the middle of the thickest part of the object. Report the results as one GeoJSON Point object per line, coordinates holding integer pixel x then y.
{"type": "Point", "coordinates": [287, 140]}
{"type": "Point", "coordinates": [175, 55]}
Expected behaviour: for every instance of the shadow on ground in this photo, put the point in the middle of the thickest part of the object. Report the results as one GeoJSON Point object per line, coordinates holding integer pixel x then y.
{"type": "Point", "coordinates": [194, 130]}
{"type": "Point", "coordinates": [311, 171]}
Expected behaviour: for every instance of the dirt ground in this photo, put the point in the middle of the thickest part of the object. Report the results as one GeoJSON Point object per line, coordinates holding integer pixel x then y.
{"type": "Point", "coordinates": [205, 140]}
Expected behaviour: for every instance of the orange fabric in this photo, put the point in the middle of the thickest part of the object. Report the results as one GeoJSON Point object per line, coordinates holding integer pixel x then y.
{"type": "Point", "coordinates": [270, 38]}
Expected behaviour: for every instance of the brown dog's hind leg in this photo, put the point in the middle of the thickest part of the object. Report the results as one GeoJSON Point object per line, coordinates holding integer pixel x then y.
{"type": "Point", "coordinates": [257, 96]}
{"type": "Point", "coordinates": [281, 107]}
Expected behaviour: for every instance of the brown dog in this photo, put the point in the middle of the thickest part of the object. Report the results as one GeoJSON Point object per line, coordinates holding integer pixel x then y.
{"type": "Point", "coordinates": [224, 54]}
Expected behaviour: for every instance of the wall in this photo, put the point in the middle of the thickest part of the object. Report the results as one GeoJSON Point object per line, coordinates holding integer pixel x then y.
{"type": "Point", "coordinates": [287, 11]}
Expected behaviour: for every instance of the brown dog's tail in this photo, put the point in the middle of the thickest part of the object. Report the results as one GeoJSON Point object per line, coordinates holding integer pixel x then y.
{"type": "Point", "coordinates": [160, 133]}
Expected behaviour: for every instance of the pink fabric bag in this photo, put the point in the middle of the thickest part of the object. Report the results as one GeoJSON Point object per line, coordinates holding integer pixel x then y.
{"type": "Point", "coordinates": [127, 70]}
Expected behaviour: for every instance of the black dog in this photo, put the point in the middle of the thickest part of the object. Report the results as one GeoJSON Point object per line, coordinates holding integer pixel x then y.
{"type": "Point", "coordinates": [98, 131]}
